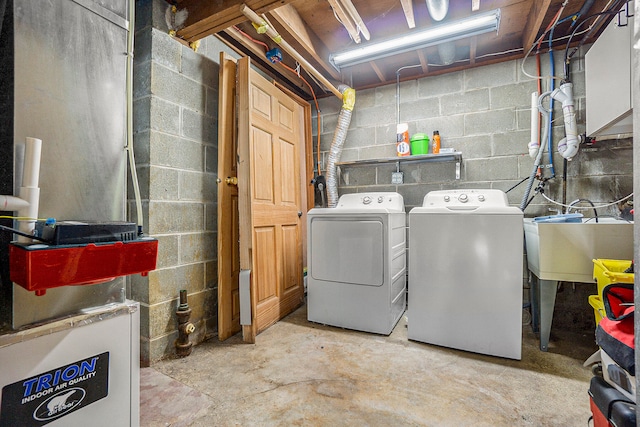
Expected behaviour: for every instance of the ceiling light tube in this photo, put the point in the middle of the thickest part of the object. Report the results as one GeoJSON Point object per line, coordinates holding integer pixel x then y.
{"type": "Point", "coordinates": [477, 24]}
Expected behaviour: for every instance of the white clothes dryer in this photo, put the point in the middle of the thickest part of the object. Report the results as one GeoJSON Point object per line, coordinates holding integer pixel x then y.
{"type": "Point", "coordinates": [357, 262]}
{"type": "Point", "coordinates": [465, 272]}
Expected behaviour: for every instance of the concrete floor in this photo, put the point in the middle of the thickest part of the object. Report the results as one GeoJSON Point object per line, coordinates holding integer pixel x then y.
{"type": "Point", "coordinates": [305, 374]}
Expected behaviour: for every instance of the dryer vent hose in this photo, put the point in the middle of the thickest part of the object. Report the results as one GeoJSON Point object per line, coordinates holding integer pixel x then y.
{"type": "Point", "coordinates": [339, 136]}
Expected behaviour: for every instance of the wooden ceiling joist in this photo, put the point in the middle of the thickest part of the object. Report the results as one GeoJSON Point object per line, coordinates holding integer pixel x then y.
{"type": "Point", "coordinates": [407, 7]}
{"type": "Point", "coordinates": [378, 72]}
{"type": "Point", "coordinates": [206, 18]}
{"type": "Point", "coordinates": [539, 9]}
{"type": "Point", "coordinates": [423, 62]}
{"type": "Point", "coordinates": [246, 47]}
{"type": "Point", "coordinates": [357, 19]}
{"type": "Point", "coordinates": [345, 20]}
{"type": "Point", "coordinates": [293, 28]}
{"type": "Point", "coordinates": [473, 47]}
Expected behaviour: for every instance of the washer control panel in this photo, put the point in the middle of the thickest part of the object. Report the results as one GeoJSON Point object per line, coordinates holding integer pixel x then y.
{"type": "Point", "coordinates": [464, 198]}
{"type": "Point", "coordinates": [386, 200]}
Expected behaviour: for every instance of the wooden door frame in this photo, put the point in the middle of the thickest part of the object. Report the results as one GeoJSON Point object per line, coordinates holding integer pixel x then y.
{"type": "Point", "coordinates": [227, 130]}
{"type": "Point", "coordinates": [226, 142]}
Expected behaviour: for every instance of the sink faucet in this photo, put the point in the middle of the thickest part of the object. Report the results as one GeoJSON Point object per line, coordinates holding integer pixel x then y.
{"type": "Point", "coordinates": [576, 201]}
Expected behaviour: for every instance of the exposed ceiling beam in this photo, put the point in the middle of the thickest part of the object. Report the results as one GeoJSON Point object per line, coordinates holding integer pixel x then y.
{"type": "Point", "coordinates": [345, 20]}
{"type": "Point", "coordinates": [539, 9]}
{"type": "Point", "coordinates": [407, 7]}
{"type": "Point", "coordinates": [206, 18]}
{"type": "Point", "coordinates": [256, 51]}
{"type": "Point", "coordinates": [473, 47]}
{"type": "Point", "coordinates": [357, 19]}
{"type": "Point", "coordinates": [293, 27]}
{"type": "Point", "coordinates": [272, 33]}
{"type": "Point", "coordinates": [378, 72]}
{"type": "Point", "coordinates": [423, 61]}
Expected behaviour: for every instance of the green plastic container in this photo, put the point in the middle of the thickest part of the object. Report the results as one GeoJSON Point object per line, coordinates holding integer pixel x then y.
{"type": "Point", "coordinates": [419, 143]}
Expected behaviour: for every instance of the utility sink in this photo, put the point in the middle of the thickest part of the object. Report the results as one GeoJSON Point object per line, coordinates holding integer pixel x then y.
{"type": "Point", "coordinates": [565, 251]}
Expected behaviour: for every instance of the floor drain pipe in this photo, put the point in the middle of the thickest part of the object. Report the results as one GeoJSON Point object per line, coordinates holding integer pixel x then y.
{"type": "Point", "coordinates": [185, 328]}
{"type": "Point", "coordinates": [339, 136]}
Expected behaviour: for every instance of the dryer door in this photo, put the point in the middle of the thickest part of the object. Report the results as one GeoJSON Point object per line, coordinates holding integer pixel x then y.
{"type": "Point", "coordinates": [347, 251]}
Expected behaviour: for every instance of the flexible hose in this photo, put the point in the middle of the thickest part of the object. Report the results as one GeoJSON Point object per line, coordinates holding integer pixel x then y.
{"type": "Point", "coordinates": [572, 204]}
{"type": "Point", "coordinates": [583, 10]}
{"type": "Point", "coordinates": [339, 136]}
{"type": "Point", "coordinates": [552, 71]}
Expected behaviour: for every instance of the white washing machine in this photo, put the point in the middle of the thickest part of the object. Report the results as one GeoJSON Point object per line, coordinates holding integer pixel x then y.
{"type": "Point", "coordinates": [357, 262]}
{"type": "Point", "coordinates": [465, 272]}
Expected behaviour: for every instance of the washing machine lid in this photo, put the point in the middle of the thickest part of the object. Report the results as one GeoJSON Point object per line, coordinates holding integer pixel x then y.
{"type": "Point", "coordinates": [468, 200]}
{"type": "Point", "coordinates": [381, 201]}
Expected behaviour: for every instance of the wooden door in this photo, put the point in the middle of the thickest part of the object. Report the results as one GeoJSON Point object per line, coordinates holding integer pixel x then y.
{"type": "Point", "coordinates": [228, 228]}
{"type": "Point", "coordinates": [270, 136]}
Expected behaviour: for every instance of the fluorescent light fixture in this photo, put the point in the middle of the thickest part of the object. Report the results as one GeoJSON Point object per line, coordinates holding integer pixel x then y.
{"type": "Point", "coordinates": [477, 24]}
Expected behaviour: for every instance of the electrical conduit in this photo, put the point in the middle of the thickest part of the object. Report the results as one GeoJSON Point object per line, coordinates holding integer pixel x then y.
{"type": "Point", "coordinates": [129, 95]}
{"type": "Point", "coordinates": [339, 136]}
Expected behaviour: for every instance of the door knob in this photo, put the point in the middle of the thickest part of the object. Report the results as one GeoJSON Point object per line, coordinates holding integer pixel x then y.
{"type": "Point", "coordinates": [231, 180]}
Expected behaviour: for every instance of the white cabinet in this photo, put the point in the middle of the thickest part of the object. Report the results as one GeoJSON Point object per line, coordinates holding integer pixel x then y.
{"type": "Point", "coordinates": [609, 76]}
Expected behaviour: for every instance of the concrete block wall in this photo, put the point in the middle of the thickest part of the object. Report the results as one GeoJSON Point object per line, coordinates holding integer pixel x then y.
{"type": "Point", "coordinates": [175, 137]}
{"type": "Point", "coordinates": [484, 113]}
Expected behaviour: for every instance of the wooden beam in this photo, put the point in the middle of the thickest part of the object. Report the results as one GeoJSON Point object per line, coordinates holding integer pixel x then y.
{"type": "Point", "coordinates": [292, 26]}
{"type": "Point", "coordinates": [423, 61]}
{"type": "Point", "coordinates": [473, 47]}
{"type": "Point", "coordinates": [357, 19]}
{"type": "Point", "coordinates": [345, 19]}
{"type": "Point", "coordinates": [292, 81]}
{"type": "Point", "coordinates": [539, 9]}
{"type": "Point", "coordinates": [378, 72]}
{"type": "Point", "coordinates": [256, 19]}
{"type": "Point", "coordinates": [407, 7]}
{"type": "Point", "coordinates": [209, 17]}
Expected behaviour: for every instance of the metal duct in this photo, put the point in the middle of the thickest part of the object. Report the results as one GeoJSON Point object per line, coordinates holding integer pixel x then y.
{"type": "Point", "coordinates": [339, 136]}
{"type": "Point", "coordinates": [438, 9]}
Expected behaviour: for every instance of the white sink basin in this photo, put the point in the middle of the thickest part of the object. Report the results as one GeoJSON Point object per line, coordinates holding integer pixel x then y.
{"type": "Point", "coordinates": [564, 251]}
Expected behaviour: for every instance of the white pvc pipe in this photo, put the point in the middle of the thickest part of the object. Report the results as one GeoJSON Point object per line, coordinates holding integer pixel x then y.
{"type": "Point", "coordinates": [568, 146]}
{"type": "Point", "coordinates": [29, 191]}
{"type": "Point", "coordinates": [11, 203]}
{"type": "Point", "coordinates": [534, 143]}
{"type": "Point", "coordinates": [31, 172]}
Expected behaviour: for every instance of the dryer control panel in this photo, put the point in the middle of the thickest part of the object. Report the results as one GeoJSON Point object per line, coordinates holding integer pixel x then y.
{"type": "Point", "coordinates": [466, 198]}
{"type": "Point", "coordinates": [387, 200]}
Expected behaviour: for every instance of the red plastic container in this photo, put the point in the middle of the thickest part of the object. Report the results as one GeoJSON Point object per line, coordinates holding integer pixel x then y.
{"type": "Point", "coordinates": [609, 407]}
{"type": "Point", "coordinates": [38, 267]}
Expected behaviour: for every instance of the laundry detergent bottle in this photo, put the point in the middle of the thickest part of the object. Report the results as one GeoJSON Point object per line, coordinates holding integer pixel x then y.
{"type": "Point", "coordinates": [435, 142]}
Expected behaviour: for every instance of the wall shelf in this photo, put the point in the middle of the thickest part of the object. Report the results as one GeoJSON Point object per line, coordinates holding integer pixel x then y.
{"type": "Point", "coordinates": [422, 158]}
